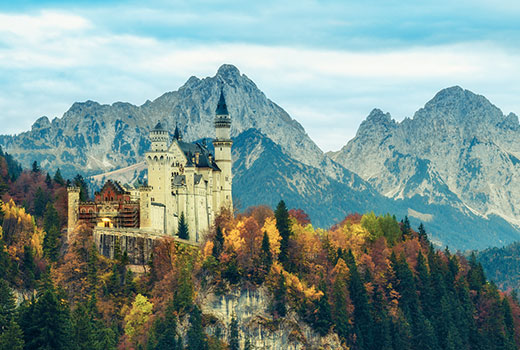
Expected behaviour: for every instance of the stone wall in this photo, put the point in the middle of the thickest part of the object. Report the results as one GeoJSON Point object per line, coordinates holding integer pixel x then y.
{"type": "Point", "coordinates": [138, 244]}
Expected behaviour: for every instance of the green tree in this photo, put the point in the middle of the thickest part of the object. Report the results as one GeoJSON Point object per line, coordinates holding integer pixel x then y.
{"type": "Point", "coordinates": [52, 239]}
{"type": "Point", "coordinates": [279, 308]}
{"type": "Point", "coordinates": [41, 198]}
{"type": "Point", "coordinates": [182, 230]}
{"type": "Point", "coordinates": [35, 167]}
{"type": "Point", "coordinates": [7, 305]}
{"type": "Point", "coordinates": [233, 334]}
{"type": "Point", "coordinates": [196, 336]}
{"type": "Point", "coordinates": [267, 255]}
{"type": "Point", "coordinates": [283, 225]}
{"type": "Point", "coordinates": [218, 243]}
{"type": "Point", "coordinates": [46, 323]}
{"type": "Point", "coordinates": [164, 332]}
{"type": "Point", "coordinates": [58, 178]}
{"type": "Point", "coordinates": [12, 337]}
{"type": "Point", "coordinates": [79, 181]}
{"type": "Point", "coordinates": [48, 181]}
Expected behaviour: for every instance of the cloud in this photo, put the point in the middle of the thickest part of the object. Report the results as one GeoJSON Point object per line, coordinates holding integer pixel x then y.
{"type": "Point", "coordinates": [50, 59]}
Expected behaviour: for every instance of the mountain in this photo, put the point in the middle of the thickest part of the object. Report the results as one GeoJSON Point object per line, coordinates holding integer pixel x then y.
{"type": "Point", "coordinates": [93, 138]}
{"type": "Point", "coordinates": [274, 158]}
{"type": "Point", "coordinates": [459, 150]}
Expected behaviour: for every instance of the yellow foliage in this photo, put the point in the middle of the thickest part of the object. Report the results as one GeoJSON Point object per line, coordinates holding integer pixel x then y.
{"type": "Point", "coordinates": [208, 249]}
{"type": "Point", "coordinates": [232, 238]}
{"type": "Point", "coordinates": [273, 234]}
{"type": "Point", "coordinates": [138, 316]}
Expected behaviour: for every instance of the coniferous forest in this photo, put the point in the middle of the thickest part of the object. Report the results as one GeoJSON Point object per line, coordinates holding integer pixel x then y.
{"type": "Point", "coordinates": [373, 282]}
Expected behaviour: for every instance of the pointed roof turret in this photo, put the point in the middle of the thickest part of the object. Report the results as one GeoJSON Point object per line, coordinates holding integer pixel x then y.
{"type": "Point", "coordinates": [177, 133]}
{"type": "Point", "coordinates": [158, 126]}
{"type": "Point", "coordinates": [221, 106]}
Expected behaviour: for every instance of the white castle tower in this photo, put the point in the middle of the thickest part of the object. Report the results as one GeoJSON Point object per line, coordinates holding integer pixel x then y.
{"type": "Point", "coordinates": [222, 144]}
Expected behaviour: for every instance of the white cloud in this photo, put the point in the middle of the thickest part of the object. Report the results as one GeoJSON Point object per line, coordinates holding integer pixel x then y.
{"type": "Point", "coordinates": [51, 59]}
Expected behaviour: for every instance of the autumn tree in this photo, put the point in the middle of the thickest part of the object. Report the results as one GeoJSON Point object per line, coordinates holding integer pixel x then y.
{"type": "Point", "coordinates": [137, 318]}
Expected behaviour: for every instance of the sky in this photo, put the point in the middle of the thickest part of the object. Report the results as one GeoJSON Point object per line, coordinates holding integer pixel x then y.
{"type": "Point", "coordinates": [327, 63]}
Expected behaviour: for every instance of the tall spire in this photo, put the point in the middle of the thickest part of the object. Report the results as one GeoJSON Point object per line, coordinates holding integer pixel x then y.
{"type": "Point", "coordinates": [221, 106]}
{"type": "Point", "coordinates": [177, 134]}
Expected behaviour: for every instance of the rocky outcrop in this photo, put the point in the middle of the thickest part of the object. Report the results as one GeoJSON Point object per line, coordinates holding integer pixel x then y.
{"type": "Point", "coordinates": [250, 307]}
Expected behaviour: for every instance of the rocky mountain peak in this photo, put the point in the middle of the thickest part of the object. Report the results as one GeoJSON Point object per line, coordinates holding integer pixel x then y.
{"type": "Point", "coordinates": [41, 123]}
{"type": "Point", "coordinates": [228, 70]}
{"type": "Point", "coordinates": [376, 121]}
{"type": "Point", "coordinates": [460, 106]}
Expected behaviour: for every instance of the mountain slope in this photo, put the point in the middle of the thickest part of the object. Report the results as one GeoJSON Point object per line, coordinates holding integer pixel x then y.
{"type": "Point", "coordinates": [93, 138]}
{"type": "Point", "coordinates": [471, 148]}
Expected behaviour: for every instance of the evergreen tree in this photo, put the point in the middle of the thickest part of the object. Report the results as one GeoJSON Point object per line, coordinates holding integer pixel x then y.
{"type": "Point", "coordinates": [83, 188]}
{"type": "Point", "coordinates": [321, 317]}
{"type": "Point", "coordinates": [405, 226]}
{"type": "Point", "coordinates": [279, 308]}
{"type": "Point", "coordinates": [362, 311]}
{"type": "Point", "coordinates": [12, 337]}
{"type": "Point", "coordinates": [46, 325]}
{"type": "Point", "coordinates": [233, 334]}
{"type": "Point", "coordinates": [267, 255]}
{"type": "Point", "coordinates": [7, 305]}
{"type": "Point", "coordinates": [29, 267]}
{"type": "Point", "coordinates": [218, 243]}
{"type": "Point", "coordinates": [48, 181]}
{"type": "Point", "coordinates": [83, 330]}
{"type": "Point", "coordinates": [183, 294]}
{"type": "Point", "coordinates": [35, 167]}
{"type": "Point", "coordinates": [195, 335]}
{"type": "Point", "coordinates": [283, 225]}
{"type": "Point", "coordinates": [164, 332]}
{"type": "Point", "coordinates": [58, 178]}
{"type": "Point", "coordinates": [422, 232]}
{"type": "Point", "coordinates": [182, 230]}
{"type": "Point", "coordinates": [51, 241]}
{"type": "Point", "coordinates": [40, 202]}
{"type": "Point", "coordinates": [340, 315]}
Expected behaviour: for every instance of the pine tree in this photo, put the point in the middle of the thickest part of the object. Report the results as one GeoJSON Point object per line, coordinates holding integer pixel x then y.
{"type": "Point", "coordinates": [35, 167]}
{"type": "Point", "coordinates": [7, 305]}
{"type": "Point", "coordinates": [164, 332]}
{"type": "Point", "coordinates": [83, 188]}
{"type": "Point", "coordinates": [267, 255]}
{"type": "Point", "coordinates": [48, 181]}
{"type": "Point", "coordinates": [362, 311]}
{"type": "Point", "coordinates": [218, 243]}
{"type": "Point", "coordinates": [51, 241]}
{"type": "Point", "coordinates": [12, 337]}
{"type": "Point", "coordinates": [247, 344]}
{"type": "Point", "coordinates": [46, 325]}
{"type": "Point", "coordinates": [40, 202]}
{"type": "Point", "coordinates": [279, 308]}
{"type": "Point", "coordinates": [233, 334]}
{"type": "Point", "coordinates": [182, 230]}
{"type": "Point", "coordinates": [195, 335]}
{"type": "Point", "coordinates": [283, 225]}
{"type": "Point", "coordinates": [58, 178]}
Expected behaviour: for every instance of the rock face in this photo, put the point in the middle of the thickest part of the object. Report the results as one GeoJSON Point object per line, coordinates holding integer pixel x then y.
{"type": "Point", "coordinates": [93, 138]}
{"type": "Point", "coordinates": [459, 150]}
{"type": "Point", "coordinates": [250, 309]}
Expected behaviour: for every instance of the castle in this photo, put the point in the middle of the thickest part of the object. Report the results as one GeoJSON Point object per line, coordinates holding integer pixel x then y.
{"type": "Point", "coordinates": [183, 179]}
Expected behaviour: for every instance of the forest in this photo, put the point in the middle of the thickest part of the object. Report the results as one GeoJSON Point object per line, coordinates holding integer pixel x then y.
{"type": "Point", "coordinates": [372, 281]}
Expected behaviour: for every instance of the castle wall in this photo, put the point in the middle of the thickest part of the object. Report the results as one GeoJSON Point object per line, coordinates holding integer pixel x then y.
{"type": "Point", "coordinates": [138, 245]}
{"type": "Point", "coordinates": [157, 216]}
